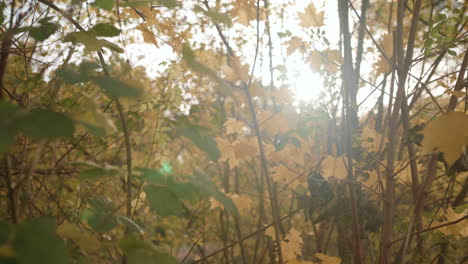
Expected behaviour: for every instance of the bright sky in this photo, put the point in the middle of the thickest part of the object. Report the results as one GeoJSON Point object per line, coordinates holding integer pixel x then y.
{"type": "Point", "coordinates": [306, 84]}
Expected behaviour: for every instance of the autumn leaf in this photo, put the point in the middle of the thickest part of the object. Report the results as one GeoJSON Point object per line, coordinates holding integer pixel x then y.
{"type": "Point", "coordinates": [334, 167]}
{"type": "Point", "coordinates": [448, 134]}
{"type": "Point", "coordinates": [148, 36]}
{"type": "Point", "coordinates": [310, 17]}
{"type": "Point", "coordinates": [233, 126]}
{"type": "Point", "coordinates": [315, 60]}
{"type": "Point", "coordinates": [243, 202]}
{"type": "Point", "coordinates": [296, 44]}
{"type": "Point", "coordinates": [460, 228]}
{"type": "Point", "coordinates": [236, 71]}
{"type": "Point", "coordinates": [327, 259]}
{"type": "Point", "coordinates": [291, 246]}
{"type": "Point", "coordinates": [286, 176]}
{"type": "Point", "coordinates": [387, 46]}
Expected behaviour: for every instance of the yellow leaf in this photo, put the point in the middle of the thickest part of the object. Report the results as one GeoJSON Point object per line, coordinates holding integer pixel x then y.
{"type": "Point", "coordinates": [270, 231]}
{"type": "Point", "coordinates": [243, 202]}
{"type": "Point", "coordinates": [460, 228]}
{"type": "Point", "coordinates": [296, 43]}
{"type": "Point", "coordinates": [7, 250]}
{"type": "Point", "coordinates": [292, 245]}
{"type": "Point", "coordinates": [273, 122]}
{"type": "Point", "coordinates": [334, 167]}
{"type": "Point", "coordinates": [448, 134]}
{"type": "Point", "coordinates": [327, 259]}
{"type": "Point", "coordinates": [310, 17]}
{"type": "Point", "coordinates": [283, 95]}
{"type": "Point", "coordinates": [85, 240]}
{"type": "Point", "coordinates": [456, 93]}
{"type": "Point", "coordinates": [215, 204]}
{"type": "Point", "coordinates": [315, 60]}
{"type": "Point", "coordinates": [332, 60]}
{"type": "Point", "coordinates": [148, 36]}
{"type": "Point", "coordinates": [238, 150]}
{"type": "Point", "coordinates": [235, 71]}
{"type": "Point", "coordinates": [371, 139]}
{"type": "Point", "coordinates": [284, 175]}
{"type": "Point", "coordinates": [245, 11]}
{"type": "Point", "coordinates": [233, 126]}
{"type": "Point", "coordinates": [387, 47]}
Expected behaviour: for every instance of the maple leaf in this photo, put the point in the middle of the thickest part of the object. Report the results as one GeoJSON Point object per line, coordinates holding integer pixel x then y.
{"type": "Point", "coordinates": [371, 139]}
{"type": "Point", "coordinates": [233, 126]}
{"type": "Point", "coordinates": [315, 60]}
{"type": "Point", "coordinates": [296, 43]}
{"type": "Point", "coordinates": [273, 122]}
{"type": "Point", "coordinates": [332, 60]}
{"type": "Point", "coordinates": [448, 134]}
{"type": "Point", "coordinates": [334, 167]}
{"type": "Point", "coordinates": [292, 245]}
{"type": "Point", "coordinates": [235, 71]}
{"type": "Point", "coordinates": [148, 36]}
{"type": "Point", "coordinates": [460, 228]}
{"type": "Point", "coordinates": [310, 17]}
{"type": "Point", "coordinates": [387, 47]}
{"type": "Point", "coordinates": [245, 11]}
{"type": "Point", "coordinates": [283, 95]}
{"type": "Point", "coordinates": [243, 202]}
{"type": "Point", "coordinates": [284, 175]}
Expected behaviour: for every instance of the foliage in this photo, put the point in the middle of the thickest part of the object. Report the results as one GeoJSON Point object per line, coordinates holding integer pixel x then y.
{"type": "Point", "coordinates": [200, 150]}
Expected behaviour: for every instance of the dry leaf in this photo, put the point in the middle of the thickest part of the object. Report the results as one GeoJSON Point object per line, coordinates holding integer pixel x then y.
{"type": "Point", "coordinates": [310, 17]}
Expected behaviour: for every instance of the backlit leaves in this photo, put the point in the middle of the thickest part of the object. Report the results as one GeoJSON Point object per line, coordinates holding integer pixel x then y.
{"type": "Point", "coordinates": [105, 30]}
{"type": "Point", "coordinates": [334, 167]}
{"type": "Point", "coordinates": [44, 31]}
{"type": "Point", "coordinates": [448, 133]}
{"type": "Point", "coordinates": [310, 17]}
{"type": "Point", "coordinates": [104, 4]}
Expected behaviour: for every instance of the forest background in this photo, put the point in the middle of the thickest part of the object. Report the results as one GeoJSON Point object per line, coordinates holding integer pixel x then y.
{"type": "Point", "coordinates": [243, 131]}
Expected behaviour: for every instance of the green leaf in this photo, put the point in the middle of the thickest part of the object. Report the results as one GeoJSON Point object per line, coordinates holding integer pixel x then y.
{"type": "Point", "coordinates": [169, 3]}
{"type": "Point", "coordinates": [105, 30]}
{"type": "Point", "coordinates": [206, 186]}
{"type": "Point", "coordinates": [101, 215]}
{"type": "Point", "coordinates": [197, 134]}
{"type": "Point", "coordinates": [186, 191]}
{"type": "Point", "coordinates": [137, 252]}
{"type": "Point", "coordinates": [41, 123]}
{"type": "Point", "coordinates": [86, 38]}
{"type": "Point", "coordinates": [8, 113]}
{"type": "Point", "coordinates": [71, 76]}
{"type": "Point", "coordinates": [97, 173]}
{"type": "Point", "coordinates": [114, 87]}
{"type": "Point", "coordinates": [451, 52]}
{"type": "Point", "coordinates": [153, 176]}
{"type": "Point", "coordinates": [136, 3]}
{"type": "Point", "coordinates": [36, 243]}
{"type": "Point", "coordinates": [2, 6]}
{"type": "Point", "coordinates": [162, 200]}
{"type": "Point", "coordinates": [104, 4]}
{"type": "Point", "coordinates": [44, 31]}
